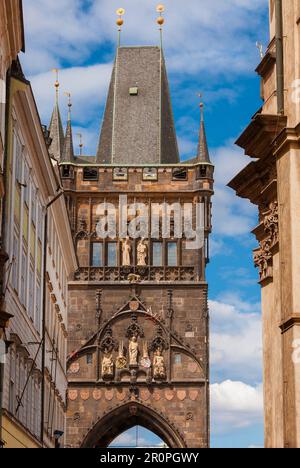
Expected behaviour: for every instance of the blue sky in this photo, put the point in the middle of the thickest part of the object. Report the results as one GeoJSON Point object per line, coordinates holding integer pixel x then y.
{"type": "Point", "coordinates": [209, 48]}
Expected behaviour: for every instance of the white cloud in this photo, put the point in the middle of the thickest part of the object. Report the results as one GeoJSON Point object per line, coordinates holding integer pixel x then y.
{"type": "Point", "coordinates": [200, 43]}
{"type": "Point", "coordinates": [236, 339]}
{"type": "Point", "coordinates": [71, 30]}
{"type": "Point", "coordinates": [232, 216]}
{"type": "Point", "coordinates": [88, 86]}
{"type": "Point", "coordinates": [235, 405]}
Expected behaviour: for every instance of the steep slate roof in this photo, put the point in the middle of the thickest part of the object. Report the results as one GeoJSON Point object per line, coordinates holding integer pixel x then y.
{"type": "Point", "coordinates": [138, 129]}
{"type": "Point", "coordinates": [56, 134]}
{"type": "Point", "coordinates": [68, 149]}
{"type": "Point", "coordinates": [202, 152]}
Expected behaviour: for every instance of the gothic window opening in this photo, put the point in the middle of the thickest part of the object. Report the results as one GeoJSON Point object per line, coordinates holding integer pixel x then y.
{"type": "Point", "coordinates": [157, 254]}
{"type": "Point", "coordinates": [112, 254]}
{"type": "Point", "coordinates": [172, 254]}
{"type": "Point", "coordinates": [97, 254]}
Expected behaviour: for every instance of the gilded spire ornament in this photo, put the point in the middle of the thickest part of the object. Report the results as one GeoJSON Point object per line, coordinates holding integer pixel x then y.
{"type": "Point", "coordinates": [120, 21]}
{"type": "Point", "coordinates": [80, 143]}
{"type": "Point", "coordinates": [56, 84]}
{"type": "Point", "coordinates": [160, 20]}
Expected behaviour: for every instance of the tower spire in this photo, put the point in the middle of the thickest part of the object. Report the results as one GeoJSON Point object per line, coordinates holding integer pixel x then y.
{"type": "Point", "coordinates": [56, 131]}
{"type": "Point", "coordinates": [203, 152]}
{"type": "Point", "coordinates": [68, 149]}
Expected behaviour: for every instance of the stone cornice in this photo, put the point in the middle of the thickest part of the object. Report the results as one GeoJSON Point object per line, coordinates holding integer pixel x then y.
{"type": "Point", "coordinates": [258, 138]}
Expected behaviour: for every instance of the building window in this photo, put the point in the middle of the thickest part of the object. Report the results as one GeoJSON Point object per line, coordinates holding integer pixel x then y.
{"type": "Point", "coordinates": [90, 174]}
{"type": "Point", "coordinates": [31, 292]}
{"type": "Point", "coordinates": [180, 174]}
{"type": "Point", "coordinates": [178, 359]}
{"type": "Point", "coordinates": [172, 259]}
{"type": "Point", "coordinates": [27, 185]}
{"type": "Point", "coordinates": [38, 306]}
{"type": "Point", "coordinates": [112, 257]}
{"type": "Point", "coordinates": [24, 278]}
{"type": "Point", "coordinates": [33, 205]}
{"type": "Point", "coordinates": [157, 251]}
{"type": "Point", "coordinates": [12, 397]}
{"type": "Point", "coordinates": [19, 150]}
{"type": "Point", "coordinates": [40, 221]}
{"type": "Point", "coordinates": [202, 172]}
{"type": "Point", "coordinates": [89, 359]}
{"type": "Point", "coordinates": [97, 254]}
{"type": "Point", "coordinates": [15, 267]}
{"type": "Point", "coordinates": [66, 172]}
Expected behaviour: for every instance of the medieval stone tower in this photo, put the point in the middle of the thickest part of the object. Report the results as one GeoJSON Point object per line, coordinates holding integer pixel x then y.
{"type": "Point", "coordinates": [138, 315]}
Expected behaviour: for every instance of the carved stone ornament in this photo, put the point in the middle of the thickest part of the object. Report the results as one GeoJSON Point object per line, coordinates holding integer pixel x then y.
{"type": "Point", "coordinates": [159, 367]}
{"type": "Point", "coordinates": [72, 395]}
{"type": "Point", "coordinates": [159, 341]}
{"type": "Point", "coordinates": [74, 368]}
{"type": "Point", "coordinates": [108, 344]}
{"type": "Point", "coordinates": [134, 328]}
{"type": "Point", "coordinates": [145, 361]}
{"type": "Point", "coordinates": [126, 252]}
{"type": "Point", "coordinates": [263, 260]}
{"type": "Point", "coordinates": [271, 223]}
{"type": "Point", "coordinates": [121, 361]}
{"type": "Point", "coordinates": [107, 366]}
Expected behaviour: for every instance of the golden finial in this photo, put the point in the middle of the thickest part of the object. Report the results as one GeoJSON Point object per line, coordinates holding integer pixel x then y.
{"type": "Point", "coordinates": [69, 104]}
{"type": "Point", "coordinates": [160, 20]}
{"type": "Point", "coordinates": [201, 105]}
{"type": "Point", "coordinates": [56, 84]}
{"type": "Point", "coordinates": [80, 143]}
{"type": "Point", "coordinates": [120, 21]}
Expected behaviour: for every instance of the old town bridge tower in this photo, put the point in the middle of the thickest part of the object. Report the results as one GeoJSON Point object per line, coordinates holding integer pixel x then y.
{"type": "Point", "coordinates": [138, 314]}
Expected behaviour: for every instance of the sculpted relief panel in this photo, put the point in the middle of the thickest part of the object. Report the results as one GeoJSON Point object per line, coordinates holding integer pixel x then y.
{"type": "Point", "coordinates": [263, 255]}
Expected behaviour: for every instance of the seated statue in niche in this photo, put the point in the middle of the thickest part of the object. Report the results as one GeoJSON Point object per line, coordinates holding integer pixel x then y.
{"type": "Point", "coordinates": [133, 352]}
{"type": "Point", "coordinates": [107, 365]}
{"type": "Point", "coordinates": [159, 367]}
{"type": "Point", "coordinates": [142, 253]}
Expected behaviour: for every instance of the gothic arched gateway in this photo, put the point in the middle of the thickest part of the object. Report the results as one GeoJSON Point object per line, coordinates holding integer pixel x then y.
{"type": "Point", "coordinates": [124, 417]}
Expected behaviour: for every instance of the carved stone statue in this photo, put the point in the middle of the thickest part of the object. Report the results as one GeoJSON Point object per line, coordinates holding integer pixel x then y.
{"type": "Point", "coordinates": [107, 365]}
{"type": "Point", "coordinates": [159, 368]}
{"type": "Point", "coordinates": [145, 361]}
{"type": "Point", "coordinates": [121, 362]}
{"type": "Point", "coordinates": [126, 252]}
{"type": "Point", "coordinates": [142, 253]}
{"type": "Point", "coordinates": [133, 351]}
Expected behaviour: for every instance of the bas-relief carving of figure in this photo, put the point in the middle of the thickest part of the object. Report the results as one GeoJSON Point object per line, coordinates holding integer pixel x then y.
{"type": "Point", "coordinates": [126, 252]}
{"type": "Point", "coordinates": [159, 368]}
{"type": "Point", "coordinates": [142, 253]}
{"type": "Point", "coordinates": [133, 351]}
{"type": "Point", "coordinates": [107, 365]}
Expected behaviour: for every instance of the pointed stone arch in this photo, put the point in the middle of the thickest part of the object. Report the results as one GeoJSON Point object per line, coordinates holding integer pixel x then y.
{"type": "Point", "coordinates": [129, 415]}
